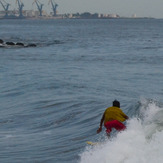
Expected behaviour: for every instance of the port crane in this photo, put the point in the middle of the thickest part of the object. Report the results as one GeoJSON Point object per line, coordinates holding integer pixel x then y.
{"type": "Point", "coordinates": [20, 5]}
{"type": "Point", "coordinates": [5, 6]}
{"type": "Point", "coordinates": [39, 6]}
{"type": "Point", "coordinates": [54, 7]}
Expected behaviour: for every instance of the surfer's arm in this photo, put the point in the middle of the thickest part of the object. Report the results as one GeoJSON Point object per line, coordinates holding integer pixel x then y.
{"type": "Point", "coordinates": [100, 127]}
{"type": "Point", "coordinates": [126, 117]}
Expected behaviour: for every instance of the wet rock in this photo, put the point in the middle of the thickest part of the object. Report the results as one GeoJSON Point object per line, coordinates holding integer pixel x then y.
{"type": "Point", "coordinates": [20, 44]}
{"type": "Point", "coordinates": [10, 43]}
{"type": "Point", "coordinates": [31, 45]}
{"type": "Point", "coordinates": [1, 41]}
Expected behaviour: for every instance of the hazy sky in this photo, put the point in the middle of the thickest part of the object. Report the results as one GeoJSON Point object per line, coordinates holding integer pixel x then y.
{"type": "Point", "coordinates": [147, 8]}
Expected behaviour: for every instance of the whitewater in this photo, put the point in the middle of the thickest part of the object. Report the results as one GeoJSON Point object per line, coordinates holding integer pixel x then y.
{"type": "Point", "coordinates": [140, 142]}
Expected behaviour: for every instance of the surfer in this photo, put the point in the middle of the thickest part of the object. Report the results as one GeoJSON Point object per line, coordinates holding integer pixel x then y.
{"type": "Point", "coordinates": [113, 118]}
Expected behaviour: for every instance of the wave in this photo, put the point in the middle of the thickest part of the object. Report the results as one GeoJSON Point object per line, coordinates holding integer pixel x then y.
{"type": "Point", "coordinates": [141, 142]}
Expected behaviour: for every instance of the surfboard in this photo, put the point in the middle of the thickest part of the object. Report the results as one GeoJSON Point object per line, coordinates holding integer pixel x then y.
{"type": "Point", "coordinates": [92, 143]}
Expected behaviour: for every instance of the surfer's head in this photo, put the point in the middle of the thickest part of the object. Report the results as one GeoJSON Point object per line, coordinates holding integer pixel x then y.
{"type": "Point", "coordinates": [116, 103]}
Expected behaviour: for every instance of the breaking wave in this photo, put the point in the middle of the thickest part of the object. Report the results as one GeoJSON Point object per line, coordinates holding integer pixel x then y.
{"type": "Point", "coordinates": [141, 142]}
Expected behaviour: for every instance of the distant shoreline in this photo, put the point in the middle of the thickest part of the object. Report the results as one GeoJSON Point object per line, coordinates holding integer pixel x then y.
{"type": "Point", "coordinates": [84, 15]}
{"type": "Point", "coordinates": [57, 18]}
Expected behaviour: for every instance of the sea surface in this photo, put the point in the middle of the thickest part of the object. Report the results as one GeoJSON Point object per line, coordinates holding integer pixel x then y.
{"type": "Point", "coordinates": [52, 96]}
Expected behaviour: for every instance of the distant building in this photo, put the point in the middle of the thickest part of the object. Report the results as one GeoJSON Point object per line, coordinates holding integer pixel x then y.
{"type": "Point", "coordinates": [109, 16]}
{"type": "Point", "coordinates": [44, 13]}
{"type": "Point", "coordinates": [29, 13]}
{"type": "Point", "coordinates": [113, 15]}
{"type": "Point", "coordinates": [134, 16]}
{"type": "Point", "coordinates": [2, 13]}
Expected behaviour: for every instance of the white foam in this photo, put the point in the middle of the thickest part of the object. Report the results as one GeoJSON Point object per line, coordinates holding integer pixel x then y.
{"type": "Point", "coordinates": [133, 145]}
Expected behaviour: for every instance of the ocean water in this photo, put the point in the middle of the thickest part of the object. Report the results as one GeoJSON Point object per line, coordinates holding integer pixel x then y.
{"type": "Point", "coordinates": [52, 96]}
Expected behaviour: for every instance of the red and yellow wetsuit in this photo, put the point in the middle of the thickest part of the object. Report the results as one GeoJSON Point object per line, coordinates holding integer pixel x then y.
{"type": "Point", "coordinates": [113, 116]}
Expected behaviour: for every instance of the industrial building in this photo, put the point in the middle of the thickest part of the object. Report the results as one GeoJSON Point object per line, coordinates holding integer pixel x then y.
{"type": "Point", "coordinates": [19, 12]}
